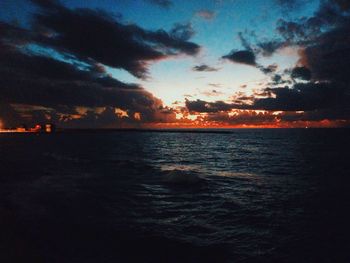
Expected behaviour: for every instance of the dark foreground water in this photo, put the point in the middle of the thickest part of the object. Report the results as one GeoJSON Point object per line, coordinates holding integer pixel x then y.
{"type": "Point", "coordinates": [244, 196]}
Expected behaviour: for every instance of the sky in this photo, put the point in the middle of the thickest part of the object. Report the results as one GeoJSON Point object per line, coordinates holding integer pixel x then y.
{"type": "Point", "coordinates": [175, 64]}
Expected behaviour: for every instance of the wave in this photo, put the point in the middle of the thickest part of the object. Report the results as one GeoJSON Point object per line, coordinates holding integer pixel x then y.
{"type": "Point", "coordinates": [235, 174]}
{"type": "Point", "coordinates": [182, 177]}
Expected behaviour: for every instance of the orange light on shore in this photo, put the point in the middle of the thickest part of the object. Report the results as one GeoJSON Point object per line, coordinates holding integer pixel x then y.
{"type": "Point", "coordinates": [17, 130]}
{"type": "Point", "coordinates": [47, 128]}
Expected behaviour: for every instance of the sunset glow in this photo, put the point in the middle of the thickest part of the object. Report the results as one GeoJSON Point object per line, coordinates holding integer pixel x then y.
{"type": "Point", "coordinates": [194, 64]}
{"type": "Point", "coordinates": [174, 131]}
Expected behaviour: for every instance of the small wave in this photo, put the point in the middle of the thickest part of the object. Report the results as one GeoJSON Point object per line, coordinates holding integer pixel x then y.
{"type": "Point", "coordinates": [235, 174]}
{"type": "Point", "coordinates": [182, 177]}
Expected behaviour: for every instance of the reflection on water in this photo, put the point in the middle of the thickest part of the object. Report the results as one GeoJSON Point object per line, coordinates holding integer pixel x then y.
{"type": "Point", "coordinates": [244, 196]}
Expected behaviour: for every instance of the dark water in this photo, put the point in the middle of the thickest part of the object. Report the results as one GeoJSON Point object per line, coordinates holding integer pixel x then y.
{"type": "Point", "coordinates": [244, 196]}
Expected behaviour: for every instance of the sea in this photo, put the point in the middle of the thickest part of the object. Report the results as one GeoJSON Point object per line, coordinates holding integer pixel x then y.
{"type": "Point", "coordinates": [241, 195]}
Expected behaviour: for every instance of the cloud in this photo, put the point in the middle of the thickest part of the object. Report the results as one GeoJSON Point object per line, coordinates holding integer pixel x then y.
{"type": "Point", "coordinates": [269, 47]}
{"type": "Point", "coordinates": [343, 4]}
{"type": "Point", "coordinates": [107, 40]}
{"type": "Point", "coordinates": [242, 57]}
{"type": "Point", "coordinates": [215, 85]}
{"type": "Point", "coordinates": [324, 64]}
{"type": "Point", "coordinates": [42, 80]}
{"type": "Point", "coordinates": [204, 68]}
{"type": "Point", "coordinates": [212, 93]}
{"type": "Point", "coordinates": [329, 58]}
{"type": "Point", "coordinates": [251, 51]}
{"type": "Point", "coordinates": [57, 87]}
{"type": "Point", "coordinates": [206, 14]}
{"type": "Point", "coordinates": [277, 79]}
{"type": "Point", "coordinates": [302, 97]}
{"type": "Point", "coordinates": [290, 5]}
{"type": "Point", "coordinates": [301, 73]}
{"type": "Point", "coordinates": [269, 69]}
{"type": "Point", "coordinates": [55, 84]}
{"type": "Point", "coordinates": [248, 56]}
{"type": "Point", "coordinates": [201, 106]}
{"type": "Point", "coordinates": [244, 41]}
{"type": "Point", "coordinates": [58, 64]}
{"type": "Point", "coordinates": [182, 31]}
{"type": "Point", "coordinates": [299, 32]}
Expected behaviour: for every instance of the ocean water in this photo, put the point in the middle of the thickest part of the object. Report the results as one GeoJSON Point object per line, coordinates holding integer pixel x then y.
{"type": "Point", "coordinates": [233, 196]}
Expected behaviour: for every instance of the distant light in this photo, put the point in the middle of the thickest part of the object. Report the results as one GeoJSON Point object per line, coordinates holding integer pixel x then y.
{"type": "Point", "coordinates": [137, 116]}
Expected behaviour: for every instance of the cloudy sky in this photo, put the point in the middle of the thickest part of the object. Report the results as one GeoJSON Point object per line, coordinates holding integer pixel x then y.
{"type": "Point", "coordinates": [175, 64]}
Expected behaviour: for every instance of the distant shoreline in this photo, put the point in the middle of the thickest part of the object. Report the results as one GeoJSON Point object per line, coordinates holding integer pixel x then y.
{"type": "Point", "coordinates": [179, 130]}
{"type": "Point", "coordinates": [184, 130]}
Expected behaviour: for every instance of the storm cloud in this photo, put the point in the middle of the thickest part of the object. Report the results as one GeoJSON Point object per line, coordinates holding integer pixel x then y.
{"type": "Point", "coordinates": [107, 40]}
{"type": "Point", "coordinates": [69, 74]}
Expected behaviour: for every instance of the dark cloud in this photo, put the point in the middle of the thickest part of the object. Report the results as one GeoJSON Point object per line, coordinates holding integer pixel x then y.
{"type": "Point", "coordinates": [243, 57]}
{"type": "Point", "coordinates": [107, 40]}
{"type": "Point", "coordinates": [302, 97]}
{"type": "Point", "coordinates": [205, 68]}
{"type": "Point", "coordinates": [108, 118]}
{"type": "Point", "coordinates": [206, 14]}
{"type": "Point", "coordinates": [40, 80]}
{"type": "Point", "coordinates": [249, 55]}
{"type": "Point", "coordinates": [15, 63]}
{"type": "Point", "coordinates": [323, 93]}
{"type": "Point", "coordinates": [307, 30]}
{"type": "Point", "coordinates": [269, 47]}
{"type": "Point", "coordinates": [269, 69]}
{"type": "Point", "coordinates": [246, 56]}
{"type": "Point", "coordinates": [277, 79]}
{"type": "Point", "coordinates": [290, 5]}
{"type": "Point", "coordinates": [37, 85]}
{"type": "Point", "coordinates": [244, 41]}
{"type": "Point", "coordinates": [182, 31]}
{"type": "Point", "coordinates": [250, 42]}
{"type": "Point", "coordinates": [161, 3]}
{"type": "Point", "coordinates": [201, 106]}
{"type": "Point", "coordinates": [343, 4]}
{"type": "Point", "coordinates": [299, 32]}
{"type": "Point", "coordinates": [329, 57]}
{"type": "Point", "coordinates": [80, 43]}
{"type": "Point", "coordinates": [301, 73]}
{"type": "Point", "coordinates": [36, 81]}
{"type": "Point", "coordinates": [325, 58]}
